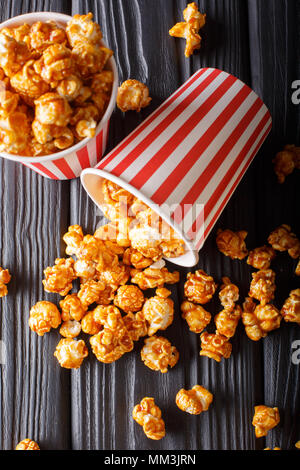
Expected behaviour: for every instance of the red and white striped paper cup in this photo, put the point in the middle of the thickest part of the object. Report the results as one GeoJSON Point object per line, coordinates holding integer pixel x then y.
{"type": "Point", "coordinates": [69, 163]}
{"type": "Point", "coordinates": [187, 158]}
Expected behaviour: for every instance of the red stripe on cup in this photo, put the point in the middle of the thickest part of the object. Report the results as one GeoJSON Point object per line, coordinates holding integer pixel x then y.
{"type": "Point", "coordinates": [151, 118]}
{"type": "Point", "coordinates": [99, 144]}
{"type": "Point", "coordinates": [64, 167]}
{"type": "Point", "coordinates": [45, 170]}
{"type": "Point", "coordinates": [83, 157]}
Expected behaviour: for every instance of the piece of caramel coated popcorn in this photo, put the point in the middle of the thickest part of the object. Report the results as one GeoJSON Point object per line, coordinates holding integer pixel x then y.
{"type": "Point", "coordinates": [232, 244]}
{"type": "Point", "coordinates": [297, 270]}
{"type": "Point", "coordinates": [73, 239]}
{"type": "Point", "coordinates": [13, 54]}
{"type": "Point", "coordinates": [42, 35]}
{"type": "Point", "coordinates": [196, 317]}
{"type": "Point", "coordinates": [136, 325]}
{"type": "Point", "coordinates": [70, 329]}
{"type": "Point", "coordinates": [81, 28]}
{"type": "Point", "coordinates": [90, 292]}
{"type": "Point", "coordinates": [259, 320]}
{"type": "Point", "coordinates": [129, 298]}
{"type": "Point", "coordinates": [151, 278]}
{"type": "Point", "coordinates": [5, 278]}
{"type": "Point", "coordinates": [286, 162]}
{"type": "Point", "coordinates": [72, 308]}
{"type": "Point", "coordinates": [199, 287]}
{"type": "Point", "coordinates": [261, 258]}
{"type": "Point", "coordinates": [51, 108]}
{"type": "Point", "coordinates": [148, 415]}
{"type": "Point", "coordinates": [194, 401]}
{"type": "Point", "coordinates": [263, 286]}
{"type": "Point", "coordinates": [268, 316]}
{"type": "Point", "coordinates": [282, 239]}
{"type": "Point", "coordinates": [44, 316]}
{"type": "Point", "coordinates": [229, 294]}
{"type": "Point", "coordinates": [158, 354]}
{"type": "Point", "coordinates": [215, 346]}
{"type": "Point", "coordinates": [59, 277]}
{"type": "Point", "coordinates": [265, 419]}
{"type": "Point", "coordinates": [90, 58]}
{"type": "Point", "coordinates": [291, 307]}
{"type": "Point", "coordinates": [29, 84]}
{"type": "Point", "coordinates": [133, 96]}
{"type": "Point", "coordinates": [115, 277]}
{"type": "Point", "coordinates": [227, 321]}
{"type": "Point", "coordinates": [70, 353]}
{"type": "Point", "coordinates": [89, 325]}
{"type": "Point", "coordinates": [27, 444]}
{"type": "Point", "coordinates": [134, 258]}
{"type": "Point", "coordinates": [158, 311]}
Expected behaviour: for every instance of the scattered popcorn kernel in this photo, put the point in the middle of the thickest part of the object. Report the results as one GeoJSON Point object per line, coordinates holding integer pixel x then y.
{"type": "Point", "coordinates": [93, 249]}
{"type": "Point", "coordinates": [129, 299]}
{"type": "Point", "coordinates": [147, 241]}
{"type": "Point", "coordinates": [263, 286]}
{"type": "Point", "coordinates": [261, 258]}
{"type": "Point", "coordinates": [260, 320]}
{"type": "Point", "coordinates": [70, 329]}
{"type": "Point", "coordinates": [59, 277]}
{"type": "Point", "coordinates": [229, 294]}
{"type": "Point", "coordinates": [291, 308]}
{"type": "Point", "coordinates": [194, 21]}
{"type": "Point", "coordinates": [136, 325]}
{"type": "Point", "coordinates": [73, 239]}
{"type": "Point", "coordinates": [85, 270]}
{"type": "Point", "coordinates": [89, 325]}
{"type": "Point", "coordinates": [27, 444]}
{"type": "Point", "coordinates": [43, 35]}
{"type": "Point", "coordinates": [115, 277]}
{"type": "Point", "coordinates": [51, 108]}
{"type": "Point", "coordinates": [215, 346]}
{"type": "Point", "coordinates": [199, 287]}
{"type": "Point", "coordinates": [275, 448]}
{"type": "Point", "coordinates": [44, 316]}
{"type": "Point", "coordinates": [227, 321]}
{"type": "Point", "coordinates": [70, 353]}
{"type": "Point", "coordinates": [297, 445]}
{"type": "Point", "coordinates": [282, 239]}
{"type": "Point", "coordinates": [133, 96]}
{"type": "Point", "coordinates": [151, 278]}
{"type": "Point", "coordinates": [81, 28]}
{"type": "Point", "coordinates": [158, 354]}
{"type": "Point", "coordinates": [148, 415]}
{"type": "Point", "coordinates": [264, 420]}
{"type": "Point", "coordinates": [5, 278]}
{"type": "Point", "coordinates": [90, 292]}
{"type": "Point", "coordinates": [158, 311]}
{"type": "Point", "coordinates": [285, 162]}
{"type": "Point", "coordinates": [134, 258]}
{"type": "Point", "coordinates": [72, 308]}
{"type": "Point", "coordinates": [196, 317]}
{"type": "Point", "coordinates": [194, 401]}
{"type": "Point", "coordinates": [232, 244]}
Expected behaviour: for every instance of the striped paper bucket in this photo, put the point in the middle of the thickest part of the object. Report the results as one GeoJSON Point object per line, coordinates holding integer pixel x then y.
{"type": "Point", "coordinates": [69, 163]}
{"type": "Point", "coordinates": [187, 158]}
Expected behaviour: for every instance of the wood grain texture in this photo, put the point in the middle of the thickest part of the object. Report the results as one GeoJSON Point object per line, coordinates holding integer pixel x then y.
{"type": "Point", "coordinates": [91, 408]}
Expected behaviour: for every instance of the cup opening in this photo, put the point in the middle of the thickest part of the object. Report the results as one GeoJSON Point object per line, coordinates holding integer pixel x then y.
{"type": "Point", "coordinates": [91, 180]}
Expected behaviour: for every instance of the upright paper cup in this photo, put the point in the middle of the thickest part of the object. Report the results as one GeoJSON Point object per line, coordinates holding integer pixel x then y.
{"type": "Point", "coordinates": [187, 158]}
{"type": "Point", "coordinates": [69, 163]}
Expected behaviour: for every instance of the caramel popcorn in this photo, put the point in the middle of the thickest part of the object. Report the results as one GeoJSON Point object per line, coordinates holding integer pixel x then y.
{"type": "Point", "coordinates": [261, 258]}
{"type": "Point", "coordinates": [59, 278]}
{"type": "Point", "coordinates": [194, 21]}
{"type": "Point", "coordinates": [12, 139]}
{"type": "Point", "coordinates": [282, 239]}
{"type": "Point", "coordinates": [158, 354]}
{"type": "Point", "coordinates": [297, 445]}
{"type": "Point", "coordinates": [70, 353]}
{"type": "Point", "coordinates": [90, 292]}
{"type": "Point", "coordinates": [229, 294]}
{"type": "Point", "coordinates": [232, 244]}
{"type": "Point", "coordinates": [115, 277]}
{"type": "Point", "coordinates": [194, 401]}
{"type": "Point", "coordinates": [286, 161]}
{"type": "Point", "coordinates": [89, 325]}
{"type": "Point", "coordinates": [51, 108]}
{"type": "Point", "coordinates": [70, 87]}
{"type": "Point", "coordinates": [14, 54]}
{"type": "Point", "coordinates": [72, 308]}
{"type": "Point", "coordinates": [275, 448]}
{"type": "Point", "coordinates": [151, 278]}
{"type": "Point", "coordinates": [29, 84]}
{"type": "Point", "coordinates": [148, 415]}
{"type": "Point", "coordinates": [101, 87]}
{"type": "Point", "coordinates": [259, 319]}
{"type": "Point", "coordinates": [133, 96]}
{"type": "Point", "coordinates": [227, 321]}
{"type": "Point", "coordinates": [85, 270]}
{"type": "Point", "coordinates": [5, 278]}
{"type": "Point", "coordinates": [264, 420]}
{"type": "Point", "coordinates": [136, 325]}
{"type": "Point", "coordinates": [70, 329]}
{"type": "Point", "coordinates": [215, 346]}
{"type": "Point", "coordinates": [129, 299]}
{"type": "Point", "coordinates": [158, 311]}
{"type": "Point", "coordinates": [199, 287]}
{"type": "Point", "coordinates": [81, 29]}
{"type": "Point", "coordinates": [196, 317]}
{"type": "Point", "coordinates": [291, 308]}
{"type": "Point", "coordinates": [134, 258]}
{"type": "Point", "coordinates": [73, 239]}
{"type": "Point", "coordinates": [43, 35]}
{"type": "Point", "coordinates": [27, 444]}
{"type": "Point", "coordinates": [263, 286]}
{"type": "Point", "coordinates": [297, 270]}
{"type": "Point", "coordinates": [44, 316]}
{"type": "Point", "coordinates": [147, 241]}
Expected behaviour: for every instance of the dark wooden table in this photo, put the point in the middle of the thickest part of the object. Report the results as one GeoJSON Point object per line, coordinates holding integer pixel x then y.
{"type": "Point", "coordinates": [258, 41]}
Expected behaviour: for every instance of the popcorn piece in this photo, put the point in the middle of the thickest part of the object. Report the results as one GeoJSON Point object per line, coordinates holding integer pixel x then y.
{"type": "Point", "coordinates": [148, 415]}
{"type": "Point", "coordinates": [232, 244]}
{"type": "Point", "coordinates": [70, 329]}
{"type": "Point", "coordinates": [263, 286]}
{"type": "Point", "coordinates": [115, 195]}
{"type": "Point", "coordinates": [297, 270]}
{"type": "Point", "coordinates": [90, 58]}
{"type": "Point", "coordinates": [70, 87]}
{"type": "Point", "coordinates": [196, 317]}
{"type": "Point", "coordinates": [90, 292]}
{"type": "Point", "coordinates": [215, 346]}
{"type": "Point", "coordinates": [81, 28]}
{"type": "Point", "coordinates": [8, 102]}
{"type": "Point", "coordinates": [134, 258]}
{"type": "Point", "coordinates": [72, 308]}
{"type": "Point", "coordinates": [27, 444]}
{"type": "Point", "coordinates": [261, 258]}
{"type": "Point", "coordinates": [260, 320]}
{"type": "Point", "coordinates": [229, 294]}
{"type": "Point", "coordinates": [86, 128]}
{"type": "Point", "coordinates": [129, 299]}
{"type": "Point", "coordinates": [275, 448]}
{"type": "Point", "coordinates": [194, 21]}
{"type": "Point", "coordinates": [282, 239]}
{"type": "Point", "coordinates": [194, 401]}
{"type": "Point", "coordinates": [89, 325]}
{"type": "Point", "coordinates": [21, 33]}
{"type": "Point", "coordinates": [147, 241]}
{"type": "Point", "coordinates": [5, 278]}
{"type": "Point", "coordinates": [136, 325]}
{"type": "Point", "coordinates": [55, 64]}
{"type": "Point", "coordinates": [85, 112]}
{"type": "Point", "coordinates": [297, 445]}
{"type": "Point", "coordinates": [44, 316]}
{"type": "Point", "coordinates": [264, 420]}
{"type": "Point", "coordinates": [51, 108]}
{"type": "Point", "coordinates": [70, 353]}
{"type": "Point", "coordinates": [59, 278]}
{"type": "Point", "coordinates": [85, 270]}
{"type": "Point", "coordinates": [101, 87]}
{"type": "Point", "coordinates": [13, 54]}
{"type": "Point", "coordinates": [158, 311]}
{"type": "Point", "coordinates": [151, 278]}
{"type": "Point", "coordinates": [14, 132]}
{"type": "Point", "coordinates": [158, 354]}
{"type": "Point", "coordinates": [133, 96]}
{"type": "Point", "coordinates": [268, 316]}
{"type": "Point", "coordinates": [286, 161]}
{"type": "Point", "coordinates": [199, 287]}
{"type": "Point", "coordinates": [28, 83]}
{"type": "Point", "coordinates": [115, 277]}
{"type": "Point", "coordinates": [43, 35]}
{"type": "Point", "coordinates": [44, 133]}
{"type": "Point", "coordinates": [227, 321]}
{"type": "Point", "coordinates": [291, 308]}
{"type": "Point", "coordinates": [73, 239]}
